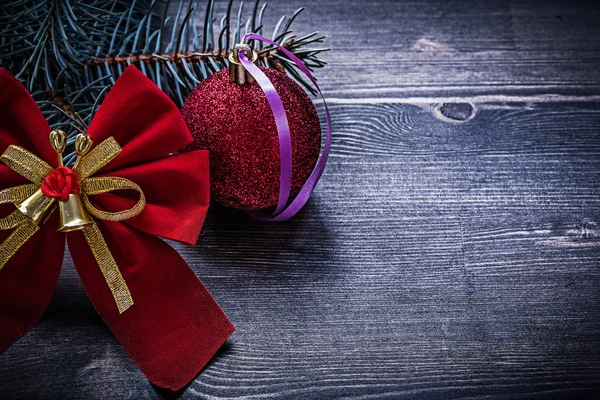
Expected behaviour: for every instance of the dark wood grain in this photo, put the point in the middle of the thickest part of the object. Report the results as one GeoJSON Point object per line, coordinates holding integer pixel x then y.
{"type": "Point", "coordinates": [452, 249]}
{"type": "Point", "coordinates": [438, 48]}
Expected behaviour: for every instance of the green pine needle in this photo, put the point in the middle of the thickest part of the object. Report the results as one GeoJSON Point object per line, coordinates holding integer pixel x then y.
{"type": "Point", "coordinates": [68, 53]}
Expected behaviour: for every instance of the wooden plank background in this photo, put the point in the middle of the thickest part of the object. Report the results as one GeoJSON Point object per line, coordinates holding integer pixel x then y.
{"type": "Point", "coordinates": [452, 249]}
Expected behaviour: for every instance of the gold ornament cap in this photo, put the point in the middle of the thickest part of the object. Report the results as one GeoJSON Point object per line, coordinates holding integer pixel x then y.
{"type": "Point", "coordinates": [237, 72]}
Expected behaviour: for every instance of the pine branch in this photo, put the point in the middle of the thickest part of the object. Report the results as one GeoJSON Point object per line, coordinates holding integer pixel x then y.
{"type": "Point", "coordinates": [69, 52]}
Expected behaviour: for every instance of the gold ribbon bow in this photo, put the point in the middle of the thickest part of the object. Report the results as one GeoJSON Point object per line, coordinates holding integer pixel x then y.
{"type": "Point", "coordinates": [76, 213]}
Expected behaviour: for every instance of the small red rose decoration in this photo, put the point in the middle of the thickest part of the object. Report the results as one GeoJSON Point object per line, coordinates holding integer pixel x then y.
{"type": "Point", "coordinates": [60, 184]}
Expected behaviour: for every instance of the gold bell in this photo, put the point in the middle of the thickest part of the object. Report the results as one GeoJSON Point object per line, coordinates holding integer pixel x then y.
{"type": "Point", "coordinates": [73, 215]}
{"type": "Point", "coordinates": [36, 206]}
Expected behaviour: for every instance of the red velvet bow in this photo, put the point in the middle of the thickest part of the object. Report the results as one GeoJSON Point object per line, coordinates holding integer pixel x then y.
{"type": "Point", "coordinates": [174, 326]}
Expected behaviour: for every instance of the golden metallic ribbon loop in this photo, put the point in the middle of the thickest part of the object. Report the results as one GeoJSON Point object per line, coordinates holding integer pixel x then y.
{"type": "Point", "coordinates": [17, 194]}
{"type": "Point", "coordinates": [97, 158]}
{"type": "Point", "coordinates": [26, 164]}
{"type": "Point", "coordinates": [109, 267]}
{"type": "Point", "coordinates": [35, 169]}
{"type": "Point", "coordinates": [25, 229]}
{"type": "Point", "coordinates": [92, 186]}
{"type": "Point", "coordinates": [13, 220]}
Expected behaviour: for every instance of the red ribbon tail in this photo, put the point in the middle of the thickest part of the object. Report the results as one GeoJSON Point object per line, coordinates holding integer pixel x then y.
{"type": "Point", "coordinates": [175, 326]}
{"type": "Point", "coordinates": [27, 282]}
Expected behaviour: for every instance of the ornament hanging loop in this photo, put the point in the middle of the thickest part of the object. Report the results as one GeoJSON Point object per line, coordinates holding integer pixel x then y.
{"type": "Point", "coordinates": [237, 72]}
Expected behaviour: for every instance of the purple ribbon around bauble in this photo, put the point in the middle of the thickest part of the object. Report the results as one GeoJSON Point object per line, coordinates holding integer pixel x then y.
{"type": "Point", "coordinates": [283, 212]}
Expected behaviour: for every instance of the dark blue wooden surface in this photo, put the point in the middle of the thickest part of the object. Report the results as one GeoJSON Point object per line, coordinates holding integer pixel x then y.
{"type": "Point", "coordinates": [452, 249]}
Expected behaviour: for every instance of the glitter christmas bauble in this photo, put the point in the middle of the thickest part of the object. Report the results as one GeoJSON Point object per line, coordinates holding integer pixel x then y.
{"type": "Point", "coordinates": [234, 122]}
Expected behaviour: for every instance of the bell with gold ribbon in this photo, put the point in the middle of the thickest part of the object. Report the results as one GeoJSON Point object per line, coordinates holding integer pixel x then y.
{"type": "Point", "coordinates": [63, 185]}
{"type": "Point", "coordinates": [73, 215]}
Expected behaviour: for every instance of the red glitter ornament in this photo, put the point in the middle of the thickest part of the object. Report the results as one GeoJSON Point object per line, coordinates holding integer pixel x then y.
{"type": "Point", "coordinates": [235, 123]}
